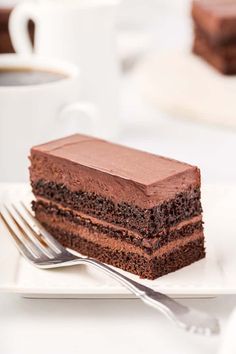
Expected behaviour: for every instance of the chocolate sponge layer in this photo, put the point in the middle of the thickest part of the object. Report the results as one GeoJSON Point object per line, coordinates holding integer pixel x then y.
{"type": "Point", "coordinates": [54, 214]}
{"type": "Point", "coordinates": [132, 262]}
{"type": "Point", "coordinates": [145, 221]}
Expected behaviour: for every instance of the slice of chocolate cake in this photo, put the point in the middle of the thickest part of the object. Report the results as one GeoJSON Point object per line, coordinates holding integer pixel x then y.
{"type": "Point", "coordinates": [215, 33]}
{"type": "Point", "coordinates": [124, 207]}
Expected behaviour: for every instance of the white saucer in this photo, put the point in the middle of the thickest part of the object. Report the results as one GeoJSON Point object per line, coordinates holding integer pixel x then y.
{"type": "Point", "coordinates": [184, 85]}
{"type": "Point", "coordinates": [209, 277]}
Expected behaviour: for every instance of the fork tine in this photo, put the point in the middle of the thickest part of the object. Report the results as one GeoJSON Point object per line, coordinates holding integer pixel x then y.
{"type": "Point", "coordinates": [21, 246]}
{"type": "Point", "coordinates": [40, 230]}
{"type": "Point", "coordinates": [201, 323]}
{"type": "Point", "coordinates": [189, 319]}
{"type": "Point", "coordinates": [38, 242]}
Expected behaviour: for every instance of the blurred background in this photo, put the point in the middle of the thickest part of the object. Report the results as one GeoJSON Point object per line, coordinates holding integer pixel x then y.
{"type": "Point", "coordinates": [146, 31]}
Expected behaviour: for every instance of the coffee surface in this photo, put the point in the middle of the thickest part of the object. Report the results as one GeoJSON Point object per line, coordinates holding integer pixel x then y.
{"type": "Point", "coordinates": [26, 77]}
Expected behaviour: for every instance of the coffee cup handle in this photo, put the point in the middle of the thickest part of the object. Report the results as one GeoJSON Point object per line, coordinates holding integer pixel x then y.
{"type": "Point", "coordinates": [18, 27]}
{"type": "Point", "coordinates": [79, 117]}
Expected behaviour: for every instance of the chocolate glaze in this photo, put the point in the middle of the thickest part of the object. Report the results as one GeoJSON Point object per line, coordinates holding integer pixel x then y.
{"type": "Point", "coordinates": [116, 172]}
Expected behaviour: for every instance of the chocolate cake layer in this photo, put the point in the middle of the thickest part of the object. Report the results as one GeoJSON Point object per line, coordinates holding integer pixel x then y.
{"type": "Point", "coordinates": [228, 50]}
{"type": "Point", "coordinates": [118, 173]}
{"type": "Point", "coordinates": [127, 208]}
{"type": "Point", "coordinates": [217, 18]}
{"type": "Point", "coordinates": [146, 221]}
{"type": "Point", "coordinates": [222, 58]}
{"type": "Point", "coordinates": [173, 260]}
{"type": "Point", "coordinates": [105, 240]}
{"type": "Point", "coordinates": [54, 214]}
{"type": "Point", "coordinates": [215, 33]}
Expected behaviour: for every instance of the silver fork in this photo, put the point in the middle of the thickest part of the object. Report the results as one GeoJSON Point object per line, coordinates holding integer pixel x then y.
{"type": "Point", "coordinates": [43, 251]}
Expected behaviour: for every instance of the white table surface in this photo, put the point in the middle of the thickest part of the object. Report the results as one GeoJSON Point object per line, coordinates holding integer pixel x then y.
{"type": "Point", "coordinates": [100, 326]}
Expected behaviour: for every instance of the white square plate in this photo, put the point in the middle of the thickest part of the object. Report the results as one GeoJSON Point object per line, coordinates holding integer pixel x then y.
{"type": "Point", "coordinates": [212, 276]}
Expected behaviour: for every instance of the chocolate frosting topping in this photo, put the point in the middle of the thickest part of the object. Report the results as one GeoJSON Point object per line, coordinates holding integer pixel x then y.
{"type": "Point", "coordinates": [122, 173]}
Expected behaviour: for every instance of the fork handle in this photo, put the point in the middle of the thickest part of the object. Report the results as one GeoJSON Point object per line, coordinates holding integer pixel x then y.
{"type": "Point", "coordinates": [167, 306]}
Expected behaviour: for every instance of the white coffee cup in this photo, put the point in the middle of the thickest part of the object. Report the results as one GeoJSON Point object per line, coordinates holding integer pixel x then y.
{"type": "Point", "coordinates": [37, 113]}
{"type": "Point", "coordinates": [81, 32]}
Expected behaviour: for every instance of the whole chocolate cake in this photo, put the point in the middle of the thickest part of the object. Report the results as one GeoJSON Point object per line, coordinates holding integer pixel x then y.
{"type": "Point", "coordinates": [131, 209]}
{"type": "Point", "coordinates": [215, 33]}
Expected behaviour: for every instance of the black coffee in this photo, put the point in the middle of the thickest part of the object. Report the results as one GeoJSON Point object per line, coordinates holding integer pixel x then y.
{"type": "Point", "coordinates": [27, 76]}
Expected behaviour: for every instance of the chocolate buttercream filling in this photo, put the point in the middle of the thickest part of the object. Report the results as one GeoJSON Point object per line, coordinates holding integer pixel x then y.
{"type": "Point", "coordinates": [116, 244]}
{"type": "Point", "coordinates": [100, 232]}
{"type": "Point", "coordinates": [183, 229]}
{"type": "Point", "coordinates": [143, 266]}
